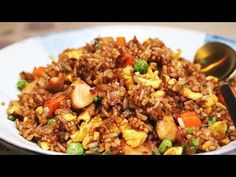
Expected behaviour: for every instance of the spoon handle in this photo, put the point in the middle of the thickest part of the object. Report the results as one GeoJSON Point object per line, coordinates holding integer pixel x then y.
{"type": "Point", "coordinates": [230, 101]}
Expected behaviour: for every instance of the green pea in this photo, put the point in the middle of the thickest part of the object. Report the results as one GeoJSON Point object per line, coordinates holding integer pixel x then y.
{"type": "Point", "coordinates": [165, 144]}
{"type": "Point", "coordinates": [75, 149]}
{"type": "Point", "coordinates": [11, 117]}
{"type": "Point", "coordinates": [21, 84]}
{"type": "Point", "coordinates": [184, 148]}
{"type": "Point", "coordinates": [141, 66]}
{"type": "Point", "coordinates": [97, 44]}
{"type": "Point", "coordinates": [211, 120]}
{"type": "Point", "coordinates": [51, 121]}
{"type": "Point", "coordinates": [195, 142]}
{"type": "Point", "coordinates": [193, 149]}
{"type": "Point", "coordinates": [126, 111]}
{"type": "Point", "coordinates": [189, 130]}
{"type": "Point", "coordinates": [97, 99]}
{"type": "Point", "coordinates": [203, 62]}
{"type": "Point", "coordinates": [95, 152]}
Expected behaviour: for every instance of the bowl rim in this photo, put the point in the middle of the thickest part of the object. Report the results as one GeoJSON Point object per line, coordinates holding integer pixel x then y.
{"type": "Point", "coordinates": [224, 149]}
{"type": "Point", "coordinates": [21, 150]}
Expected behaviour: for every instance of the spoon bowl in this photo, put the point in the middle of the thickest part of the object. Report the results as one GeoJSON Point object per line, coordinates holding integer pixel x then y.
{"type": "Point", "coordinates": [217, 59]}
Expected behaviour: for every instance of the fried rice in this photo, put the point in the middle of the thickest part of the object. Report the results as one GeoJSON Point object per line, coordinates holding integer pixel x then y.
{"type": "Point", "coordinates": [118, 97]}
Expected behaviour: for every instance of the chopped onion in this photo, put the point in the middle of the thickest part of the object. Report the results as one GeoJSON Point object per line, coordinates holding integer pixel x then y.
{"type": "Point", "coordinates": [181, 123]}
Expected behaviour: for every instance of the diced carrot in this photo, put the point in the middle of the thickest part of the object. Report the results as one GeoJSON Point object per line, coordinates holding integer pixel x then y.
{"type": "Point", "coordinates": [191, 119]}
{"type": "Point", "coordinates": [120, 41]}
{"type": "Point", "coordinates": [126, 59]}
{"type": "Point", "coordinates": [38, 72]}
{"type": "Point", "coordinates": [54, 103]}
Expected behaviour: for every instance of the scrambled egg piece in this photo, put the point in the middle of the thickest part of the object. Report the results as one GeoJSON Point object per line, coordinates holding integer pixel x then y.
{"type": "Point", "coordinates": [140, 150]}
{"type": "Point", "coordinates": [147, 42]}
{"type": "Point", "coordinates": [127, 75]}
{"type": "Point", "coordinates": [218, 104]}
{"type": "Point", "coordinates": [181, 81]}
{"type": "Point", "coordinates": [86, 140]}
{"type": "Point", "coordinates": [74, 53]}
{"type": "Point", "coordinates": [212, 100]}
{"type": "Point", "coordinates": [191, 95]}
{"type": "Point", "coordinates": [69, 117]}
{"type": "Point", "coordinates": [86, 128]}
{"type": "Point", "coordinates": [208, 146]}
{"type": "Point", "coordinates": [167, 78]}
{"type": "Point", "coordinates": [146, 54]}
{"type": "Point", "coordinates": [96, 136]}
{"type": "Point", "coordinates": [174, 151]}
{"type": "Point", "coordinates": [215, 79]}
{"type": "Point", "coordinates": [218, 128]}
{"type": "Point", "coordinates": [150, 74]}
{"type": "Point", "coordinates": [124, 125]}
{"type": "Point", "coordinates": [225, 141]}
{"type": "Point", "coordinates": [86, 115]}
{"type": "Point", "coordinates": [29, 87]}
{"type": "Point", "coordinates": [114, 128]}
{"type": "Point", "coordinates": [166, 128]}
{"type": "Point", "coordinates": [44, 145]}
{"type": "Point", "coordinates": [151, 79]}
{"type": "Point", "coordinates": [158, 93]}
{"type": "Point", "coordinates": [134, 138]}
{"type": "Point", "coordinates": [176, 55]}
{"type": "Point", "coordinates": [179, 64]}
{"type": "Point", "coordinates": [172, 81]}
{"type": "Point", "coordinates": [25, 119]}
{"type": "Point", "coordinates": [39, 112]}
{"type": "Point", "coordinates": [69, 77]}
{"type": "Point", "coordinates": [14, 108]}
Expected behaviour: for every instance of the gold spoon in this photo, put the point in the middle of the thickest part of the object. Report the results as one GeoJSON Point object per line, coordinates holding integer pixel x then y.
{"type": "Point", "coordinates": [217, 59]}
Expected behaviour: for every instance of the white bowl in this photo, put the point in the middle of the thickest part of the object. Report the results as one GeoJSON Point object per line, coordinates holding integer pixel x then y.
{"type": "Point", "coordinates": [35, 51]}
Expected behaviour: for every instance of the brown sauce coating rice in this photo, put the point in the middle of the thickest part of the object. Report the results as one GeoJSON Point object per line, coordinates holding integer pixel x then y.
{"type": "Point", "coordinates": [132, 106]}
